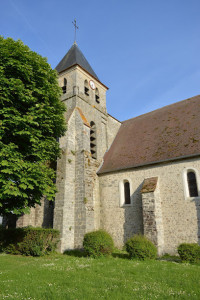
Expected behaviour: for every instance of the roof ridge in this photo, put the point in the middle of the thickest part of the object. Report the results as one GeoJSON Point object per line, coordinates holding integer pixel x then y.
{"type": "Point", "coordinates": [160, 108]}
{"type": "Point", "coordinates": [166, 134]}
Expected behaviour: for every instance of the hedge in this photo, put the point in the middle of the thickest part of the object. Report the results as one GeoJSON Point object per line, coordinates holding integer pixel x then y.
{"type": "Point", "coordinates": [189, 252]}
{"type": "Point", "coordinates": [98, 243]}
{"type": "Point", "coordinates": [28, 240]}
{"type": "Point", "coordinates": [141, 248]}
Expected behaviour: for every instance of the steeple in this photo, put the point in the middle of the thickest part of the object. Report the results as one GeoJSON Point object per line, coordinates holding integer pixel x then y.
{"type": "Point", "coordinates": [75, 57]}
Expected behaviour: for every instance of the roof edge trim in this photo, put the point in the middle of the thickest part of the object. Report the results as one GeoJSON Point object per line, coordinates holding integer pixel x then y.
{"type": "Point", "coordinates": [114, 118]}
{"type": "Point", "coordinates": [148, 164]}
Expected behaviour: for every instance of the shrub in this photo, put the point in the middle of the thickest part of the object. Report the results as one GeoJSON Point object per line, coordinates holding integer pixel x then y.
{"type": "Point", "coordinates": [140, 247]}
{"type": "Point", "coordinates": [28, 241]}
{"type": "Point", "coordinates": [98, 243]}
{"type": "Point", "coordinates": [189, 252]}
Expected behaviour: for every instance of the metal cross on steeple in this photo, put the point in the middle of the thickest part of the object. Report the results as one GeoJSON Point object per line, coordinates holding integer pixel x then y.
{"type": "Point", "coordinates": [75, 27]}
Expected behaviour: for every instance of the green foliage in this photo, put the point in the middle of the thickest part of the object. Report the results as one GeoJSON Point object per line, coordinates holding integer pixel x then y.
{"type": "Point", "coordinates": [85, 200]}
{"type": "Point", "coordinates": [141, 248]}
{"type": "Point", "coordinates": [98, 243]}
{"type": "Point", "coordinates": [31, 120]}
{"type": "Point", "coordinates": [189, 252]}
{"type": "Point", "coordinates": [28, 241]}
{"type": "Point", "coordinates": [73, 152]}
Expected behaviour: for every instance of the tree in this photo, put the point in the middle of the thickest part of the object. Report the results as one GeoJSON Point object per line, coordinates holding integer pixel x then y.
{"type": "Point", "coordinates": [31, 121]}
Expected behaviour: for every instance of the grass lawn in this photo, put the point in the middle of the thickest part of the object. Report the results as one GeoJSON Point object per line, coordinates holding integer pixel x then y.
{"type": "Point", "coordinates": [68, 277]}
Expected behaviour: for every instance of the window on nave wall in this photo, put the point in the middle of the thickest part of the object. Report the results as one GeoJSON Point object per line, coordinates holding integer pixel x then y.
{"type": "Point", "coordinates": [127, 196]}
{"type": "Point", "coordinates": [192, 184]}
{"type": "Point", "coordinates": [93, 146]}
{"type": "Point", "coordinates": [125, 192]}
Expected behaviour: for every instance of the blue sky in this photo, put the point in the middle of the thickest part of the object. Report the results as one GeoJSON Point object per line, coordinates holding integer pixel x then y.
{"type": "Point", "coordinates": [145, 51]}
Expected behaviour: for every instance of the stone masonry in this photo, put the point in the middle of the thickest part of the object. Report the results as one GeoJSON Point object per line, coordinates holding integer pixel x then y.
{"type": "Point", "coordinates": [89, 199]}
{"type": "Point", "coordinates": [152, 213]}
{"type": "Point", "coordinates": [77, 204]}
{"type": "Point", "coordinates": [171, 214]}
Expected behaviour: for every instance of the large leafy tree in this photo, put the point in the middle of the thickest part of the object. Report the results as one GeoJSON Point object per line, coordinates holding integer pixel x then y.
{"type": "Point", "coordinates": [31, 121]}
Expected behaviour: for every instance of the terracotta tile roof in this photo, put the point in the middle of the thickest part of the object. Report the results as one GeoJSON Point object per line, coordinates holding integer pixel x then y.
{"type": "Point", "coordinates": [171, 132]}
{"type": "Point", "coordinates": [70, 112]}
{"type": "Point", "coordinates": [149, 185]}
{"type": "Point", "coordinates": [85, 121]}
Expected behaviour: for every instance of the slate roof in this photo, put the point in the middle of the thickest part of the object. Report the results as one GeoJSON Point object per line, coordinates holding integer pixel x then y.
{"type": "Point", "coordinates": [169, 133]}
{"type": "Point", "coordinates": [75, 57]}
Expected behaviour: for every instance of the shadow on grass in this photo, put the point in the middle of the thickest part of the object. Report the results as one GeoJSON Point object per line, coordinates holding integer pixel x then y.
{"type": "Point", "coordinates": [120, 254]}
{"type": "Point", "coordinates": [171, 258]}
{"type": "Point", "coordinates": [75, 253]}
{"type": "Point", "coordinates": [177, 259]}
{"type": "Point", "coordinates": [81, 253]}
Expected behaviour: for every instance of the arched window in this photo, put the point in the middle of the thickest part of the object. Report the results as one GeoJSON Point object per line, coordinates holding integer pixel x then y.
{"type": "Point", "coordinates": [127, 196]}
{"type": "Point", "coordinates": [93, 140]}
{"type": "Point", "coordinates": [125, 192]}
{"type": "Point", "coordinates": [192, 184]}
{"type": "Point", "coordinates": [97, 95]}
{"type": "Point", "coordinates": [64, 88]}
{"type": "Point", "coordinates": [86, 88]}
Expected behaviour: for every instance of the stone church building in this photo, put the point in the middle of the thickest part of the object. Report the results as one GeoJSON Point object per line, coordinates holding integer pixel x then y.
{"type": "Point", "coordinates": [136, 176]}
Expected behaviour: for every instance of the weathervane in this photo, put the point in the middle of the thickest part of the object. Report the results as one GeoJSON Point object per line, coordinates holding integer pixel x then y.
{"type": "Point", "coordinates": [75, 27]}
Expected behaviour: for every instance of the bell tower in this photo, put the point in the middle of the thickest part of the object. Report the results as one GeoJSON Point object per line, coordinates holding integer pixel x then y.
{"type": "Point", "coordinates": [82, 88]}
{"type": "Point", "coordinates": [77, 204]}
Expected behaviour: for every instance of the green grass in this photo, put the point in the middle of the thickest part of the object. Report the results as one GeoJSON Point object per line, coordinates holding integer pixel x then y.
{"type": "Point", "coordinates": [72, 277]}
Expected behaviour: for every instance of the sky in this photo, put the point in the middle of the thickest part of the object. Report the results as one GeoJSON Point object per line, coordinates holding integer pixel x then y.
{"type": "Point", "coordinates": [145, 51]}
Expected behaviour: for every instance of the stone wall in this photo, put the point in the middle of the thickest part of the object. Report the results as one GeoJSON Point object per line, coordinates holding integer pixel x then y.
{"type": "Point", "coordinates": [77, 201]}
{"type": "Point", "coordinates": [77, 205]}
{"type": "Point", "coordinates": [76, 77]}
{"type": "Point", "coordinates": [106, 125]}
{"type": "Point", "coordinates": [152, 213]}
{"type": "Point", "coordinates": [180, 214]}
{"type": "Point", "coordinates": [40, 216]}
{"type": "Point", "coordinates": [113, 126]}
{"type": "Point", "coordinates": [65, 197]}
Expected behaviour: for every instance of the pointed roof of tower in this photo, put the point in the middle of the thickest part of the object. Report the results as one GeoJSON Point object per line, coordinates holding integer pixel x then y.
{"type": "Point", "coordinates": [75, 57]}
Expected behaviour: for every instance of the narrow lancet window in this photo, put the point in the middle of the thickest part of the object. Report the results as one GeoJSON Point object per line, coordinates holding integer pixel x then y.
{"type": "Point", "coordinates": [93, 140]}
{"type": "Point", "coordinates": [86, 88]}
{"type": "Point", "coordinates": [64, 88]}
{"type": "Point", "coordinates": [127, 196]}
{"type": "Point", "coordinates": [97, 95]}
{"type": "Point", "coordinates": [192, 184]}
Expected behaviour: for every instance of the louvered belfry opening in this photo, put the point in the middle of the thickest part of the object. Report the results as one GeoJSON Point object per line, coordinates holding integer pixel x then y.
{"type": "Point", "coordinates": [64, 88]}
{"type": "Point", "coordinates": [97, 95]}
{"type": "Point", "coordinates": [93, 141]}
{"type": "Point", "coordinates": [86, 88]}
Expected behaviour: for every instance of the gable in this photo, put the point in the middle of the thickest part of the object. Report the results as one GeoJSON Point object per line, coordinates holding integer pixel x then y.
{"type": "Point", "coordinates": [169, 133]}
{"type": "Point", "coordinates": [83, 118]}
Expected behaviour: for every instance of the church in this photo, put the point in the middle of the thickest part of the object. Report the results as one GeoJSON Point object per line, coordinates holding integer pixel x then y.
{"type": "Point", "coordinates": [136, 176]}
